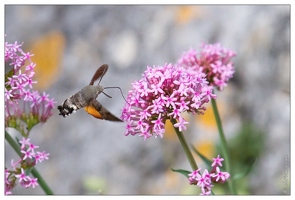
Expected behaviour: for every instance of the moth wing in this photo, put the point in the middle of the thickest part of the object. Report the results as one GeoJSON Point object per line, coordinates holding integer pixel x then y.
{"type": "Point", "coordinates": [100, 72]}
{"type": "Point", "coordinates": [95, 109]}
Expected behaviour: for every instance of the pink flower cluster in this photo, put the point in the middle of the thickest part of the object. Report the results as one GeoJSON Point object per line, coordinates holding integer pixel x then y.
{"type": "Point", "coordinates": [17, 173]}
{"type": "Point", "coordinates": [205, 180]}
{"type": "Point", "coordinates": [23, 105]}
{"type": "Point", "coordinates": [20, 78]}
{"type": "Point", "coordinates": [213, 60]}
{"type": "Point", "coordinates": [19, 96]}
{"type": "Point", "coordinates": [164, 92]}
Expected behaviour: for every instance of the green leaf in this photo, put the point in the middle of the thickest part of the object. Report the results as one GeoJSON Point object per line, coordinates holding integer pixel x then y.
{"type": "Point", "coordinates": [245, 172]}
{"type": "Point", "coordinates": [206, 160]}
{"type": "Point", "coordinates": [181, 171]}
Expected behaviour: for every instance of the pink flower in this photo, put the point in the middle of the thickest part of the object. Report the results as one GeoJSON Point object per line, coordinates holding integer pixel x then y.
{"type": "Point", "coordinates": [24, 142]}
{"type": "Point", "coordinates": [181, 124]}
{"type": "Point", "coordinates": [41, 156]}
{"type": "Point", "coordinates": [213, 60]}
{"type": "Point", "coordinates": [164, 92]}
{"type": "Point", "coordinates": [17, 171]}
{"type": "Point", "coordinates": [205, 180]}
{"type": "Point", "coordinates": [19, 79]}
{"type": "Point", "coordinates": [19, 96]}
{"type": "Point", "coordinates": [217, 161]}
{"type": "Point", "coordinates": [8, 94]}
{"type": "Point", "coordinates": [32, 182]}
{"type": "Point", "coordinates": [32, 147]}
{"type": "Point", "coordinates": [22, 176]}
{"type": "Point", "coordinates": [220, 176]}
{"type": "Point", "coordinates": [27, 154]}
{"type": "Point", "coordinates": [195, 174]}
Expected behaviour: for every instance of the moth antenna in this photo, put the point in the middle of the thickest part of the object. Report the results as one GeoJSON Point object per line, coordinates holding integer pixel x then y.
{"type": "Point", "coordinates": [120, 91]}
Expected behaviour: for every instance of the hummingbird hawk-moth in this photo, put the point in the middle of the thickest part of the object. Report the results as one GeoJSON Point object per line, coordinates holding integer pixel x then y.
{"type": "Point", "coordinates": [86, 98]}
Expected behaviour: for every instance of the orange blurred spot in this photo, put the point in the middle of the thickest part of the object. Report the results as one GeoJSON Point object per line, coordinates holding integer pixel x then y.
{"type": "Point", "coordinates": [171, 179]}
{"type": "Point", "coordinates": [169, 129]}
{"type": "Point", "coordinates": [208, 119]}
{"type": "Point", "coordinates": [48, 52]}
{"type": "Point", "coordinates": [206, 148]}
{"type": "Point", "coordinates": [186, 13]}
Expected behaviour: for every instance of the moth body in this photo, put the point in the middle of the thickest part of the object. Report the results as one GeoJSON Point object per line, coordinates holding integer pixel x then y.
{"type": "Point", "coordinates": [86, 98]}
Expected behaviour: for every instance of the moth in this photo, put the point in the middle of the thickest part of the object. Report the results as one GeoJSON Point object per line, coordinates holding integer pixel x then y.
{"type": "Point", "coordinates": [86, 98]}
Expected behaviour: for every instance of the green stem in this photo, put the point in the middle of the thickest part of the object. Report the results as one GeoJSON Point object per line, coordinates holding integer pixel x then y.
{"type": "Point", "coordinates": [13, 144]}
{"type": "Point", "coordinates": [41, 182]}
{"type": "Point", "coordinates": [34, 172]}
{"type": "Point", "coordinates": [185, 146]}
{"type": "Point", "coordinates": [223, 146]}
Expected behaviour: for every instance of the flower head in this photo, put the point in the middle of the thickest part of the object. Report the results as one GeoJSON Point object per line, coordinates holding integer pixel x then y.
{"type": "Point", "coordinates": [205, 180]}
{"type": "Point", "coordinates": [17, 173]}
{"type": "Point", "coordinates": [21, 101]}
{"type": "Point", "coordinates": [20, 74]}
{"type": "Point", "coordinates": [213, 60]}
{"type": "Point", "coordinates": [164, 92]}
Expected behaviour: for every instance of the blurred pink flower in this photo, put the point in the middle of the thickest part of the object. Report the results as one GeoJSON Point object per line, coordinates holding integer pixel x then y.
{"type": "Point", "coordinates": [213, 60]}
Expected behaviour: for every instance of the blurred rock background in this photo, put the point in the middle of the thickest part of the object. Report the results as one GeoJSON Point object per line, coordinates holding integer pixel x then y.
{"type": "Point", "coordinates": [90, 156]}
